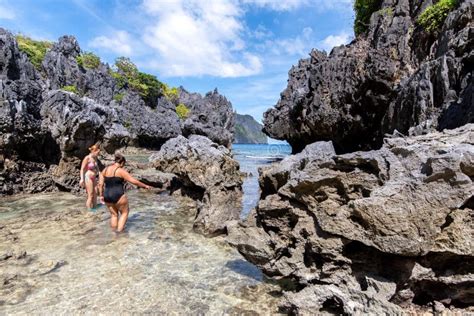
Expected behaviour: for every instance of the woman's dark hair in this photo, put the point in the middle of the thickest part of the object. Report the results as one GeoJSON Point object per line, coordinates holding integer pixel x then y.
{"type": "Point", "coordinates": [119, 159]}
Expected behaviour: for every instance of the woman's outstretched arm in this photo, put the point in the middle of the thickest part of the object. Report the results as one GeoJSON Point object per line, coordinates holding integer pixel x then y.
{"type": "Point", "coordinates": [128, 177]}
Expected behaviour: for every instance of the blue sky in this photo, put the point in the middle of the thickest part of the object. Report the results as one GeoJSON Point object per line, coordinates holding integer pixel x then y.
{"type": "Point", "coordinates": [243, 47]}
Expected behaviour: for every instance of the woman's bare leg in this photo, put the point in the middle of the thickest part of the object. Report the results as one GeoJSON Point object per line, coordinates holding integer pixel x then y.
{"type": "Point", "coordinates": [95, 194]}
{"type": "Point", "coordinates": [90, 189]}
{"type": "Point", "coordinates": [113, 215]}
{"type": "Point", "coordinates": [122, 206]}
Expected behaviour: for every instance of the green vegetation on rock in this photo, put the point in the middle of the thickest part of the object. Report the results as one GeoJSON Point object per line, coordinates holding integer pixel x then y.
{"type": "Point", "coordinates": [363, 10]}
{"type": "Point", "coordinates": [388, 11]}
{"type": "Point", "coordinates": [171, 93]}
{"type": "Point", "coordinates": [126, 67]}
{"type": "Point", "coordinates": [119, 97]}
{"type": "Point", "coordinates": [72, 89]}
{"type": "Point", "coordinates": [182, 111]}
{"type": "Point", "coordinates": [148, 86]}
{"type": "Point", "coordinates": [35, 50]}
{"type": "Point", "coordinates": [88, 60]}
{"type": "Point", "coordinates": [433, 17]}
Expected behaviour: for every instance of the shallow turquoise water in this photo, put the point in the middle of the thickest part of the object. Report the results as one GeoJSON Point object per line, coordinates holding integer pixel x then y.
{"type": "Point", "coordinates": [250, 158]}
{"type": "Point", "coordinates": [158, 266]}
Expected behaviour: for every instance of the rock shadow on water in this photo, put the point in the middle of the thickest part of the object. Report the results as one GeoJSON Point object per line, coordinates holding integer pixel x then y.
{"type": "Point", "coordinates": [245, 268]}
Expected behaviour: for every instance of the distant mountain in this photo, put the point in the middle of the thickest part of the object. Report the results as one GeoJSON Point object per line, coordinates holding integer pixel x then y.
{"type": "Point", "coordinates": [248, 131]}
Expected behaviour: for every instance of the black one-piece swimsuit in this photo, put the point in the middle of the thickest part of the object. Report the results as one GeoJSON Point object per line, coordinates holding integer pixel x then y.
{"type": "Point", "coordinates": [113, 188]}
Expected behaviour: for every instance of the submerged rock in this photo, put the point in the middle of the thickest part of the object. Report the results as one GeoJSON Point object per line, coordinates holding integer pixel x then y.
{"type": "Point", "coordinates": [395, 77]}
{"type": "Point", "coordinates": [208, 171]}
{"type": "Point", "coordinates": [368, 231]}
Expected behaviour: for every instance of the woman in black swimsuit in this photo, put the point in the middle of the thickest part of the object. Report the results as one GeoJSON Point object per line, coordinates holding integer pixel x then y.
{"type": "Point", "coordinates": [113, 178]}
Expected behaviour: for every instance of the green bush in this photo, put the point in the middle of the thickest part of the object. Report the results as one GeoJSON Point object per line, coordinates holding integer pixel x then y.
{"type": "Point", "coordinates": [433, 17]}
{"type": "Point", "coordinates": [126, 67]}
{"type": "Point", "coordinates": [35, 50]}
{"type": "Point", "coordinates": [72, 89]}
{"type": "Point", "coordinates": [88, 60]}
{"type": "Point", "coordinates": [182, 111]}
{"type": "Point", "coordinates": [386, 11]}
{"type": "Point", "coordinates": [119, 97]}
{"type": "Point", "coordinates": [148, 86]}
{"type": "Point", "coordinates": [363, 10]}
{"type": "Point", "coordinates": [171, 93]}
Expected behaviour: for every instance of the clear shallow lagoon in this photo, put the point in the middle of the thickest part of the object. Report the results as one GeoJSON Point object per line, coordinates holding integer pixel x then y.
{"type": "Point", "coordinates": [250, 158]}
{"type": "Point", "coordinates": [158, 266]}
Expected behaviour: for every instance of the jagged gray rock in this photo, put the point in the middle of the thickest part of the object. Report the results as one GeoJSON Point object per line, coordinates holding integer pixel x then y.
{"type": "Point", "coordinates": [147, 127]}
{"type": "Point", "coordinates": [211, 116]}
{"type": "Point", "coordinates": [208, 170]}
{"type": "Point", "coordinates": [368, 231]}
{"type": "Point", "coordinates": [395, 77]}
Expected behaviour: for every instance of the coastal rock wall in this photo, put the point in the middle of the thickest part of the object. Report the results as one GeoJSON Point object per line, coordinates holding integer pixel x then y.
{"type": "Point", "coordinates": [396, 76]}
{"type": "Point", "coordinates": [368, 232]}
{"type": "Point", "coordinates": [209, 173]}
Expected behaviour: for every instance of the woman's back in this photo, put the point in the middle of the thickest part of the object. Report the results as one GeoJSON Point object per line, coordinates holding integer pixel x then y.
{"type": "Point", "coordinates": [113, 185]}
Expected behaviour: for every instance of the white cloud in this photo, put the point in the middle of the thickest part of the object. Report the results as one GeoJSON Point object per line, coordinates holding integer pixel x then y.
{"type": "Point", "coordinates": [194, 38]}
{"type": "Point", "coordinates": [6, 13]}
{"type": "Point", "coordinates": [288, 5]}
{"type": "Point", "coordinates": [334, 40]}
{"type": "Point", "coordinates": [199, 37]}
{"type": "Point", "coordinates": [299, 46]}
{"type": "Point", "coordinates": [261, 32]}
{"type": "Point", "coordinates": [277, 5]}
{"type": "Point", "coordinates": [119, 42]}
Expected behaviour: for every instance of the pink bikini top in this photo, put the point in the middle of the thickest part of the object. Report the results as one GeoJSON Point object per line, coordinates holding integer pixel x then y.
{"type": "Point", "coordinates": [91, 165]}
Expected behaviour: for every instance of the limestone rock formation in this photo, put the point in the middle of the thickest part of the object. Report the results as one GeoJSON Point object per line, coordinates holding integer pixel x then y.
{"type": "Point", "coordinates": [248, 131]}
{"type": "Point", "coordinates": [209, 172]}
{"type": "Point", "coordinates": [45, 131]}
{"type": "Point", "coordinates": [397, 76]}
{"type": "Point", "coordinates": [211, 116]}
{"type": "Point", "coordinates": [368, 232]}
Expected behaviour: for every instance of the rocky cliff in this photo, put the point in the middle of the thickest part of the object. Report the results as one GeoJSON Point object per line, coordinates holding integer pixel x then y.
{"type": "Point", "coordinates": [248, 131]}
{"type": "Point", "coordinates": [383, 231]}
{"type": "Point", "coordinates": [51, 112]}
{"type": "Point", "coordinates": [396, 76]}
{"type": "Point", "coordinates": [368, 232]}
{"type": "Point", "coordinates": [211, 116]}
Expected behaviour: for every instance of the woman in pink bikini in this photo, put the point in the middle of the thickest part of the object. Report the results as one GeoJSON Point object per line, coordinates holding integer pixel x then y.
{"type": "Point", "coordinates": [89, 172]}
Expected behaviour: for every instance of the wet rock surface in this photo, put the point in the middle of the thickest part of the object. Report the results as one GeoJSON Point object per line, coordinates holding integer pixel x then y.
{"type": "Point", "coordinates": [207, 172]}
{"type": "Point", "coordinates": [368, 232]}
{"type": "Point", "coordinates": [44, 129]}
{"type": "Point", "coordinates": [395, 77]}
